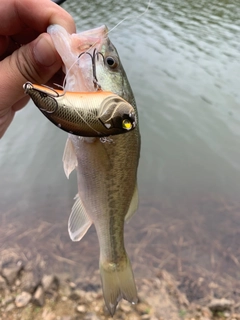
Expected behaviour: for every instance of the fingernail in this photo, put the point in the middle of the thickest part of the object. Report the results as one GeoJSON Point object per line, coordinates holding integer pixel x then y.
{"type": "Point", "coordinates": [44, 51]}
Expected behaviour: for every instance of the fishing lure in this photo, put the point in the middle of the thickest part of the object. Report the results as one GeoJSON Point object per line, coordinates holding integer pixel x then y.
{"type": "Point", "coordinates": [87, 114]}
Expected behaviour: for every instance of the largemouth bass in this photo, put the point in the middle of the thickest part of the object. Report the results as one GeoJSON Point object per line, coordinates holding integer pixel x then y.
{"type": "Point", "coordinates": [88, 114]}
{"type": "Point", "coordinates": [107, 172]}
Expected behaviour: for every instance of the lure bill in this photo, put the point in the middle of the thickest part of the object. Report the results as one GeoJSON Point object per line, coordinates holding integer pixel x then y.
{"type": "Point", "coordinates": [87, 114]}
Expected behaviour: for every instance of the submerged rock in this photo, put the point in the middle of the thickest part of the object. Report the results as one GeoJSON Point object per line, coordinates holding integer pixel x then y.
{"type": "Point", "coordinates": [9, 307]}
{"type": "Point", "coordinates": [11, 274]}
{"type": "Point", "coordinates": [30, 282]}
{"type": "Point", "coordinates": [76, 295]}
{"type": "Point", "coordinates": [3, 284]}
{"type": "Point", "coordinates": [38, 297]}
{"type": "Point", "coordinates": [219, 305]}
{"type": "Point", "coordinates": [23, 299]}
{"type": "Point", "coordinates": [91, 316]}
{"type": "Point", "coordinates": [7, 300]}
{"type": "Point", "coordinates": [50, 283]}
{"type": "Point", "coordinates": [81, 308]}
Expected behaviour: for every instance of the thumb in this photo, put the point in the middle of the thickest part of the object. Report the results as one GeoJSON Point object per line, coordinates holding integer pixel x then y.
{"type": "Point", "coordinates": [36, 62]}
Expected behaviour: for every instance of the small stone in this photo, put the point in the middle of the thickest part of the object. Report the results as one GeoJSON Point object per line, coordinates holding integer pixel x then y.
{"type": "Point", "coordinates": [7, 300]}
{"type": "Point", "coordinates": [20, 264]}
{"type": "Point", "coordinates": [48, 315]}
{"type": "Point", "coordinates": [38, 297]}
{"type": "Point", "coordinates": [142, 308]}
{"type": "Point", "coordinates": [125, 307]}
{"type": "Point", "coordinates": [226, 314]}
{"type": "Point", "coordinates": [30, 282]}
{"type": "Point", "coordinates": [9, 307]}
{"type": "Point", "coordinates": [3, 284]}
{"type": "Point", "coordinates": [75, 295]}
{"type": "Point", "coordinates": [11, 274]}
{"type": "Point", "coordinates": [65, 291]}
{"type": "Point", "coordinates": [17, 283]}
{"type": "Point", "coordinates": [97, 308]}
{"type": "Point", "coordinates": [91, 316]}
{"type": "Point", "coordinates": [50, 283]}
{"type": "Point", "coordinates": [72, 285]}
{"type": "Point", "coordinates": [220, 305]}
{"type": "Point", "coordinates": [87, 296]}
{"type": "Point", "coordinates": [64, 298]}
{"type": "Point", "coordinates": [81, 309]}
{"type": "Point", "coordinates": [22, 299]}
{"type": "Point", "coordinates": [133, 316]}
{"type": "Point", "coordinates": [29, 266]}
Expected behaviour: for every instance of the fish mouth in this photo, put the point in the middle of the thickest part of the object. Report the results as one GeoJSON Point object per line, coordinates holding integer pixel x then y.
{"type": "Point", "coordinates": [91, 39]}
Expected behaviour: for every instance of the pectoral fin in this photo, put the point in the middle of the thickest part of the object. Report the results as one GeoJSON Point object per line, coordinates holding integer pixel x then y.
{"type": "Point", "coordinates": [133, 205]}
{"type": "Point", "coordinates": [69, 158]}
{"type": "Point", "coordinates": [79, 222]}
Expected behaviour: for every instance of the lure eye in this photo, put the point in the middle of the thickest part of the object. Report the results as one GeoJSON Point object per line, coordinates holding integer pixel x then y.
{"type": "Point", "coordinates": [111, 62]}
{"type": "Point", "coordinates": [126, 124]}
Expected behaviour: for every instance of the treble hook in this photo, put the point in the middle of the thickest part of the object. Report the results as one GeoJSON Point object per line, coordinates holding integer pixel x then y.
{"type": "Point", "coordinates": [96, 55]}
{"type": "Point", "coordinates": [93, 58]}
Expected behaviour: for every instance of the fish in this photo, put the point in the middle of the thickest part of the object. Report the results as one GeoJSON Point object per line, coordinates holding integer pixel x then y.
{"type": "Point", "coordinates": [89, 114]}
{"type": "Point", "coordinates": [106, 169]}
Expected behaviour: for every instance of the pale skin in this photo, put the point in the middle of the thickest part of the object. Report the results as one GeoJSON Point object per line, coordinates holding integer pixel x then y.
{"type": "Point", "coordinates": [26, 51]}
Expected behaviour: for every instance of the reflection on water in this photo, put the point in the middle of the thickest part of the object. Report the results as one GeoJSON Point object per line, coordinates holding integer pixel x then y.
{"type": "Point", "coordinates": [182, 60]}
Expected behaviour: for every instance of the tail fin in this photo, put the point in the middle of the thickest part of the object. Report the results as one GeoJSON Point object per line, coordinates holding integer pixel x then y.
{"type": "Point", "coordinates": [117, 283]}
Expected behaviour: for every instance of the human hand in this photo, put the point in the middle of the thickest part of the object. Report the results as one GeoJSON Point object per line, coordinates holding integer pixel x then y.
{"type": "Point", "coordinates": [26, 51]}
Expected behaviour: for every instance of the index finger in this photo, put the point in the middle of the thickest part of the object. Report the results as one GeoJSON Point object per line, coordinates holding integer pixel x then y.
{"type": "Point", "coordinates": [18, 15]}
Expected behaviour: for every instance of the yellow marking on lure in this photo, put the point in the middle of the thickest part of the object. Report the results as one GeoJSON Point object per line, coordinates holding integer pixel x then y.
{"type": "Point", "coordinates": [126, 124]}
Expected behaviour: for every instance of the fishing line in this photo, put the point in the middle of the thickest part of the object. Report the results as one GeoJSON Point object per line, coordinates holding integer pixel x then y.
{"type": "Point", "coordinates": [83, 118]}
{"type": "Point", "coordinates": [74, 108]}
{"type": "Point", "coordinates": [56, 94]}
{"type": "Point", "coordinates": [64, 91]}
{"type": "Point", "coordinates": [139, 16]}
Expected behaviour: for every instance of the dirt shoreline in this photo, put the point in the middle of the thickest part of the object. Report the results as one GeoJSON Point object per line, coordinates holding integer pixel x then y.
{"type": "Point", "coordinates": [197, 243]}
{"type": "Point", "coordinates": [27, 294]}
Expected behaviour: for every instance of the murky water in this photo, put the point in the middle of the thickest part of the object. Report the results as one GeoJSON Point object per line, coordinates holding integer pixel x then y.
{"type": "Point", "coordinates": [182, 60]}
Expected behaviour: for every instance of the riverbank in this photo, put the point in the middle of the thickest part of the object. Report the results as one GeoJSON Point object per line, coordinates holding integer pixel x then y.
{"type": "Point", "coordinates": [44, 275]}
{"type": "Point", "coordinates": [27, 294]}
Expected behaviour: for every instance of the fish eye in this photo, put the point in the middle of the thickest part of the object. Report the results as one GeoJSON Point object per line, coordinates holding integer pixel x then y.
{"type": "Point", "coordinates": [112, 63]}
{"type": "Point", "coordinates": [126, 124]}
